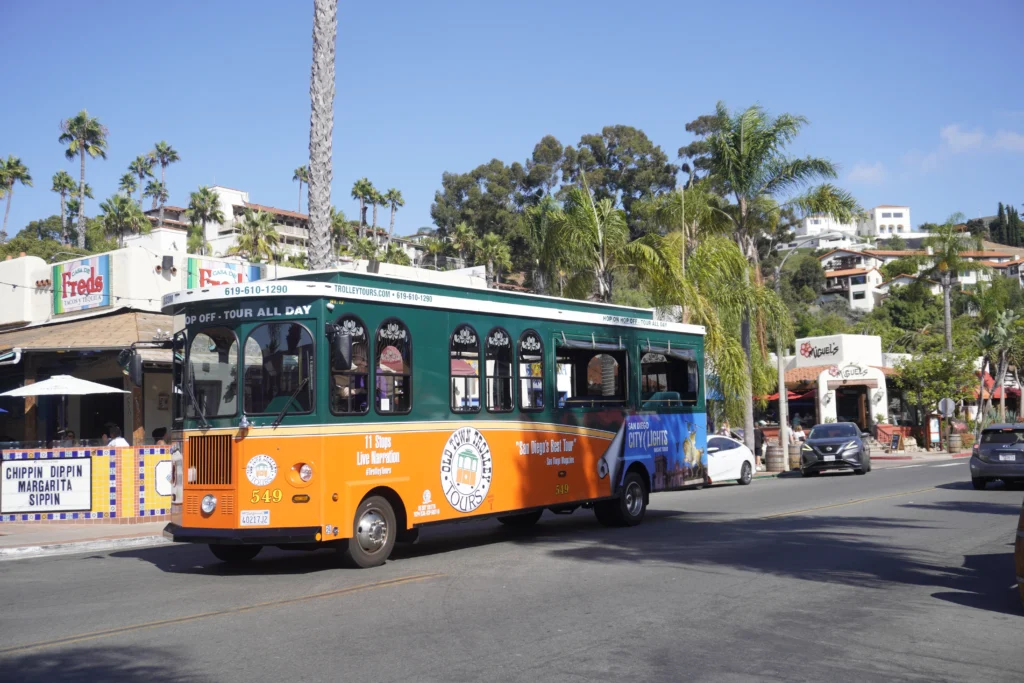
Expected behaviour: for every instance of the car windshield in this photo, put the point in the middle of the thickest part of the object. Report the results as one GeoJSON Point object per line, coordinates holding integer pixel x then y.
{"type": "Point", "coordinates": [834, 431]}
{"type": "Point", "coordinates": [1003, 436]}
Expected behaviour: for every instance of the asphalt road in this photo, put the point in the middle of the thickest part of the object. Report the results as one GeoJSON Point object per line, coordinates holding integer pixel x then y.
{"type": "Point", "coordinates": [902, 574]}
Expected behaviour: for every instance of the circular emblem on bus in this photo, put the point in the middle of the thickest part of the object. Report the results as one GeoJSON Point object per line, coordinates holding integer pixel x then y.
{"type": "Point", "coordinates": [261, 470]}
{"type": "Point", "coordinates": [466, 469]}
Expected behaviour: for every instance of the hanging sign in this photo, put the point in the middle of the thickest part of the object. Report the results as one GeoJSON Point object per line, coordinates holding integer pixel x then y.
{"type": "Point", "coordinates": [80, 285]}
{"type": "Point", "coordinates": [209, 273]}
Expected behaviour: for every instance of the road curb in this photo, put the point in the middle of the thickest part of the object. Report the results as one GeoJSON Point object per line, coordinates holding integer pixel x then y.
{"type": "Point", "coordinates": [72, 547]}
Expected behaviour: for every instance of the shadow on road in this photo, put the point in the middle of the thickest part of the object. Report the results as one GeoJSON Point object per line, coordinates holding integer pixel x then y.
{"type": "Point", "coordinates": [981, 508]}
{"type": "Point", "coordinates": [96, 663]}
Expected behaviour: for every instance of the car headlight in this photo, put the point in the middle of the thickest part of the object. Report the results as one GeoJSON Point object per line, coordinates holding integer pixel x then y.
{"type": "Point", "coordinates": [209, 504]}
{"type": "Point", "coordinates": [807, 448]}
{"type": "Point", "coordinates": [852, 446]}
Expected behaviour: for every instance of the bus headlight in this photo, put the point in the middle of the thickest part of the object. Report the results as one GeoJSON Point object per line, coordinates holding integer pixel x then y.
{"type": "Point", "coordinates": [209, 504]}
{"type": "Point", "coordinates": [305, 472]}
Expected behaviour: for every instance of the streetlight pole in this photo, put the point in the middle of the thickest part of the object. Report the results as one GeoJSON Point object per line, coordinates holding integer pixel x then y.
{"type": "Point", "coordinates": [783, 399]}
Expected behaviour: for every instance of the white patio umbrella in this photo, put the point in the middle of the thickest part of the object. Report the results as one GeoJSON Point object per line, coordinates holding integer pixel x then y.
{"type": "Point", "coordinates": [63, 385]}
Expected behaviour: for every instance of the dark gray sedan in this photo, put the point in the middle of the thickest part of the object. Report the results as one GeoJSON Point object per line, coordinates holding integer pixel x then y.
{"type": "Point", "coordinates": [836, 446]}
{"type": "Point", "coordinates": [1000, 455]}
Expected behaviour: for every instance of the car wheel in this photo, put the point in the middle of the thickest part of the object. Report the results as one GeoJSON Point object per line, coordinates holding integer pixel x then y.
{"type": "Point", "coordinates": [523, 520]}
{"type": "Point", "coordinates": [373, 534]}
{"type": "Point", "coordinates": [806, 473]}
{"type": "Point", "coordinates": [235, 554]}
{"type": "Point", "coordinates": [979, 483]}
{"type": "Point", "coordinates": [746, 475]}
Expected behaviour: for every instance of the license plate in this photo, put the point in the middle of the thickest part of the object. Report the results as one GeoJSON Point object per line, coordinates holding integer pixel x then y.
{"type": "Point", "coordinates": [255, 518]}
{"type": "Point", "coordinates": [829, 458]}
{"type": "Point", "coordinates": [1008, 457]}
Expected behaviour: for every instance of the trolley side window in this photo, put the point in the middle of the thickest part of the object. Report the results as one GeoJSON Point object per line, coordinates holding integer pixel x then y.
{"type": "Point", "coordinates": [213, 373]}
{"type": "Point", "coordinates": [350, 376]}
{"type": "Point", "coordinates": [499, 371]}
{"type": "Point", "coordinates": [531, 371]}
{"type": "Point", "coordinates": [668, 377]}
{"type": "Point", "coordinates": [464, 370]}
{"type": "Point", "coordinates": [393, 380]}
{"type": "Point", "coordinates": [279, 369]}
{"type": "Point", "coordinates": [590, 374]}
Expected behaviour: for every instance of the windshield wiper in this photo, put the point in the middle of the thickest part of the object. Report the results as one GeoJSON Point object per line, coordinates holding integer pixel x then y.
{"type": "Point", "coordinates": [280, 416]}
{"type": "Point", "coordinates": [195, 404]}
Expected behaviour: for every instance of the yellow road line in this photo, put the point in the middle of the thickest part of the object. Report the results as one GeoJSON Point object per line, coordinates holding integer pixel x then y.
{"type": "Point", "coordinates": [70, 640]}
{"type": "Point", "coordinates": [849, 502]}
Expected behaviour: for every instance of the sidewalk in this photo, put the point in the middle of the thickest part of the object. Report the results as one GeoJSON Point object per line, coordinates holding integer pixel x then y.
{"type": "Point", "coordinates": [20, 540]}
{"type": "Point", "coordinates": [883, 456]}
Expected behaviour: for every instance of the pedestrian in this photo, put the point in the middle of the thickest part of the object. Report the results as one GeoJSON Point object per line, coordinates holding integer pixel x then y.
{"type": "Point", "coordinates": [725, 427]}
{"type": "Point", "coordinates": [759, 441]}
{"type": "Point", "coordinates": [159, 434]}
{"type": "Point", "coordinates": [116, 440]}
{"type": "Point", "coordinates": [797, 435]}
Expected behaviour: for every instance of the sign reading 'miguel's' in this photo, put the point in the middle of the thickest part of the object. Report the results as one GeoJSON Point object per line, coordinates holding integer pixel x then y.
{"type": "Point", "coordinates": [59, 485]}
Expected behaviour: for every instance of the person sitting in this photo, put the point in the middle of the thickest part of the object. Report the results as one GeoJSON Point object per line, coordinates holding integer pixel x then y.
{"type": "Point", "coordinates": [160, 436]}
{"type": "Point", "coordinates": [116, 440]}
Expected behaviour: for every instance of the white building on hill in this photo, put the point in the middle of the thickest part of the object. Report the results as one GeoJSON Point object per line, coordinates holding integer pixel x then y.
{"type": "Point", "coordinates": [885, 221]}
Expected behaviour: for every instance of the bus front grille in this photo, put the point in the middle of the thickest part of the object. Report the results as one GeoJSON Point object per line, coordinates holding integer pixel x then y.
{"type": "Point", "coordinates": [209, 461]}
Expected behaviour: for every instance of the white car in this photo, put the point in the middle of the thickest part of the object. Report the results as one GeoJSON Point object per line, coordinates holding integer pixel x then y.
{"type": "Point", "coordinates": [729, 459]}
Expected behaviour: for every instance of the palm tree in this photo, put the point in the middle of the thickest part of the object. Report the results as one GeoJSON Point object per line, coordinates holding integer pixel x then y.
{"type": "Point", "coordinates": [948, 262]}
{"type": "Point", "coordinates": [84, 135]}
{"type": "Point", "coordinates": [748, 161]}
{"type": "Point", "coordinates": [158, 191]}
{"type": "Point", "coordinates": [204, 206]}
{"type": "Point", "coordinates": [495, 254]}
{"type": "Point", "coordinates": [342, 233]}
{"type": "Point", "coordinates": [197, 242]}
{"type": "Point", "coordinates": [396, 255]}
{"type": "Point", "coordinates": [142, 166]}
{"type": "Point", "coordinates": [321, 131]}
{"type": "Point", "coordinates": [377, 200]}
{"type": "Point", "coordinates": [434, 247]}
{"type": "Point", "coordinates": [64, 185]}
{"type": "Point", "coordinates": [12, 171]}
{"type": "Point", "coordinates": [463, 238]}
{"type": "Point", "coordinates": [121, 215]}
{"type": "Point", "coordinates": [362, 191]}
{"type": "Point", "coordinates": [394, 199]}
{"type": "Point", "coordinates": [364, 248]}
{"type": "Point", "coordinates": [591, 241]}
{"type": "Point", "coordinates": [257, 238]}
{"type": "Point", "coordinates": [302, 175]}
{"type": "Point", "coordinates": [165, 155]}
{"type": "Point", "coordinates": [128, 184]}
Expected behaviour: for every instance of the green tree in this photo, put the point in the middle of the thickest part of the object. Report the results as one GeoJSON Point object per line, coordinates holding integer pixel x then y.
{"type": "Point", "coordinates": [435, 247]}
{"type": "Point", "coordinates": [203, 207]}
{"type": "Point", "coordinates": [948, 262]}
{"type": "Point", "coordinates": [142, 167]}
{"type": "Point", "coordinates": [376, 200]}
{"type": "Point", "coordinates": [904, 265]}
{"type": "Point", "coordinates": [257, 239]}
{"type": "Point", "coordinates": [122, 215]}
{"type": "Point", "coordinates": [362, 191]}
{"type": "Point", "coordinates": [931, 377]}
{"type": "Point", "coordinates": [128, 184]}
{"type": "Point", "coordinates": [396, 255]}
{"type": "Point", "coordinates": [321, 131]}
{"type": "Point", "coordinates": [494, 254]}
{"type": "Point", "coordinates": [84, 136]}
{"type": "Point", "coordinates": [165, 155]}
{"type": "Point", "coordinates": [393, 198]}
{"type": "Point", "coordinates": [806, 272]}
{"type": "Point", "coordinates": [300, 174]}
{"type": "Point", "coordinates": [12, 171]}
{"type": "Point", "coordinates": [64, 186]}
{"type": "Point", "coordinates": [342, 233]}
{"type": "Point", "coordinates": [47, 229]}
{"type": "Point", "coordinates": [158, 191]}
{"type": "Point", "coordinates": [463, 239]}
{"type": "Point", "coordinates": [748, 161]}
{"type": "Point", "coordinates": [364, 248]}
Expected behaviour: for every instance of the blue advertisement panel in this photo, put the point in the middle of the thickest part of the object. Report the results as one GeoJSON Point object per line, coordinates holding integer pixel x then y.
{"type": "Point", "coordinates": [672, 446]}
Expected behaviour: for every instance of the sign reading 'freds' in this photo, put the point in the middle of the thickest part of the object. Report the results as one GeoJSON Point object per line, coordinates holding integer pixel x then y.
{"type": "Point", "coordinates": [81, 285]}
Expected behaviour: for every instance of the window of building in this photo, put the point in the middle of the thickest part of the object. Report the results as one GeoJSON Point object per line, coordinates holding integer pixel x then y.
{"type": "Point", "coordinates": [887, 215]}
{"type": "Point", "coordinates": [858, 279]}
{"type": "Point", "coordinates": [213, 372]}
{"type": "Point", "coordinates": [279, 369]}
{"type": "Point", "coordinates": [393, 386]}
{"type": "Point", "coordinates": [815, 221]}
{"type": "Point", "coordinates": [464, 370]}
{"type": "Point", "coordinates": [897, 214]}
{"type": "Point", "coordinates": [350, 393]}
{"type": "Point", "coordinates": [858, 295]}
{"type": "Point", "coordinates": [499, 371]}
{"type": "Point", "coordinates": [668, 377]}
{"type": "Point", "coordinates": [590, 374]}
{"type": "Point", "coordinates": [531, 371]}
{"type": "Point", "coordinates": [899, 227]}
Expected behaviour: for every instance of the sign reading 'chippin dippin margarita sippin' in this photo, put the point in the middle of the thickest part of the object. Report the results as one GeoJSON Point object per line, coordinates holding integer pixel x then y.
{"type": "Point", "coordinates": [80, 285]}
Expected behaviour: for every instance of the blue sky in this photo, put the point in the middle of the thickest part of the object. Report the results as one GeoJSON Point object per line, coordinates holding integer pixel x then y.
{"type": "Point", "coordinates": [919, 103]}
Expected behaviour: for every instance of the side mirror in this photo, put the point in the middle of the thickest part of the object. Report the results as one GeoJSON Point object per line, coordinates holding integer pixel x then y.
{"type": "Point", "coordinates": [712, 450]}
{"type": "Point", "coordinates": [131, 365]}
{"type": "Point", "coordinates": [341, 350]}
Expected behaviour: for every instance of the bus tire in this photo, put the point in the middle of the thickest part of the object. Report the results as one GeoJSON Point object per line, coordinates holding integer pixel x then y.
{"type": "Point", "coordinates": [235, 554]}
{"type": "Point", "coordinates": [373, 534]}
{"type": "Point", "coordinates": [523, 520]}
{"type": "Point", "coordinates": [631, 506]}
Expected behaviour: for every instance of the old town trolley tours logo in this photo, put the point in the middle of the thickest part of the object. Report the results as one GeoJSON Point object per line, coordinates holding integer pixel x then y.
{"type": "Point", "coordinates": [466, 469]}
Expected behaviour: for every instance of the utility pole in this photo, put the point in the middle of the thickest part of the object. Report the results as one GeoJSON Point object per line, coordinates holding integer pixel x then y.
{"type": "Point", "coordinates": [783, 398]}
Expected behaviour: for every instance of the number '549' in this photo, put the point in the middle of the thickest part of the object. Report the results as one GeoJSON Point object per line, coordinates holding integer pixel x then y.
{"type": "Point", "coordinates": [267, 496]}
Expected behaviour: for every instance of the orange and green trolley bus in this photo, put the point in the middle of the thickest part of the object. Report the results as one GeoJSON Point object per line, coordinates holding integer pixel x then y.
{"type": "Point", "coordinates": [349, 410]}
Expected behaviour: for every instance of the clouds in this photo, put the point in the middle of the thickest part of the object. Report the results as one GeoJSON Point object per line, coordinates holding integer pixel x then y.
{"type": "Point", "coordinates": [958, 140]}
{"type": "Point", "coordinates": [955, 140]}
{"type": "Point", "coordinates": [867, 174]}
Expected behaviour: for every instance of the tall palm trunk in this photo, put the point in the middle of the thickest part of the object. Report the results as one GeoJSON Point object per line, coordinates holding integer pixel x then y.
{"type": "Point", "coordinates": [981, 397]}
{"type": "Point", "coordinates": [163, 180]}
{"type": "Point", "coordinates": [321, 131]}
{"type": "Point", "coordinates": [63, 218]}
{"type": "Point", "coordinates": [946, 286]}
{"type": "Point", "coordinates": [7, 211]}
{"type": "Point", "coordinates": [376, 240]}
{"type": "Point", "coordinates": [300, 196]}
{"type": "Point", "coordinates": [391, 228]}
{"type": "Point", "coordinates": [81, 201]}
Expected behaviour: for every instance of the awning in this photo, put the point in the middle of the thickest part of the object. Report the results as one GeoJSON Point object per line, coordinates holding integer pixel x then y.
{"type": "Point", "coordinates": [793, 395]}
{"type": "Point", "coordinates": [63, 385]}
{"type": "Point", "coordinates": [99, 333]}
